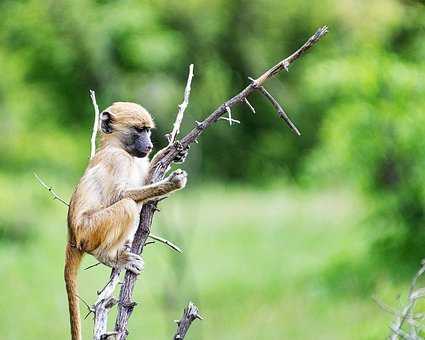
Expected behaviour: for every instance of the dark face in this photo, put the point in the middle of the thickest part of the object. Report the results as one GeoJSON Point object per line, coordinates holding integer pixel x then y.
{"type": "Point", "coordinates": [138, 143]}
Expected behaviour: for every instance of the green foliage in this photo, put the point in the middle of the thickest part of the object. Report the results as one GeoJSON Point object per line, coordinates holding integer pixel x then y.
{"type": "Point", "coordinates": [374, 128]}
{"type": "Point", "coordinates": [53, 52]}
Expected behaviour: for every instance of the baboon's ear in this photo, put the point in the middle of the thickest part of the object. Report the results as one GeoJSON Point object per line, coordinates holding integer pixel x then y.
{"type": "Point", "coordinates": [106, 119]}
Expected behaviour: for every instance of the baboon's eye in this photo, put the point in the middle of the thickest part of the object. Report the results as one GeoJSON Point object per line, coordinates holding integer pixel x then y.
{"type": "Point", "coordinates": [141, 129]}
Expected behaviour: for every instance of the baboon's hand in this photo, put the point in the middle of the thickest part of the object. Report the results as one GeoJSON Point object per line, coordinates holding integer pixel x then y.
{"type": "Point", "coordinates": [178, 178]}
{"type": "Point", "coordinates": [181, 156]}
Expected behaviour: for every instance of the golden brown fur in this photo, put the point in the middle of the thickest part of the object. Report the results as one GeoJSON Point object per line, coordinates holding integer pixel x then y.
{"type": "Point", "coordinates": [104, 209]}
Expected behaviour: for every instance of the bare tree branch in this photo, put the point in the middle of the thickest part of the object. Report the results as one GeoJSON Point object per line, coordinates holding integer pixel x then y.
{"type": "Point", "coordinates": [285, 63]}
{"type": "Point", "coordinates": [249, 105]}
{"type": "Point", "coordinates": [407, 314]}
{"type": "Point", "coordinates": [95, 124]}
{"type": "Point", "coordinates": [105, 301]}
{"type": "Point", "coordinates": [182, 108]}
{"type": "Point", "coordinates": [190, 314]}
{"type": "Point", "coordinates": [162, 163]}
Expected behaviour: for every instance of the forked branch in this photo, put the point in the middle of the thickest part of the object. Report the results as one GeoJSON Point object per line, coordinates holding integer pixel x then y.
{"type": "Point", "coordinates": [163, 161]}
{"type": "Point", "coordinates": [190, 314]}
{"type": "Point", "coordinates": [407, 324]}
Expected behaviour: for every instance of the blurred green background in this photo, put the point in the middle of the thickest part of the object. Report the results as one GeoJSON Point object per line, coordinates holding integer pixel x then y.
{"type": "Point", "coordinates": [284, 237]}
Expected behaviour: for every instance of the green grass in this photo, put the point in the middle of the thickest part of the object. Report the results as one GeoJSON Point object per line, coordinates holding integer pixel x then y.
{"type": "Point", "coordinates": [260, 264]}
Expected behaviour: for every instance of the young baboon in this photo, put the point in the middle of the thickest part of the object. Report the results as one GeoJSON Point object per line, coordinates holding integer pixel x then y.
{"type": "Point", "coordinates": [104, 210]}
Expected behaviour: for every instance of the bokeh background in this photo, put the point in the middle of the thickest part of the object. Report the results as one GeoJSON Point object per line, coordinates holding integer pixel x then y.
{"type": "Point", "coordinates": [284, 237]}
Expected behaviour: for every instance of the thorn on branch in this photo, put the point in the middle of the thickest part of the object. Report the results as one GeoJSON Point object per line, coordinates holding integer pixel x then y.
{"type": "Point", "coordinates": [178, 145]}
{"type": "Point", "coordinates": [161, 199]}
{"type": "Point", "coordinates": [91, 266]}
{"type": "Point", "coordinates": [229, 112]}
{"type": "Point", "coordinates": [230, 120]}
{"type": "Point", "coordinates": [280, 111]}
{"type": "Point", "coordinates": [200, 125]}
{"type": "Point", "coordinates": [249, 105]}
{"type": "Point", "coordinates": [90, 308]}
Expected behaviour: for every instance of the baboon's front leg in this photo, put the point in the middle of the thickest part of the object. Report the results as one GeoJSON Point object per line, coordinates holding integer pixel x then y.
{"type": "Point", "coordinates": [177, 180]}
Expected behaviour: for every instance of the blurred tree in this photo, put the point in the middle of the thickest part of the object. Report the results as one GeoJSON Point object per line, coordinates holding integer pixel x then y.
{"type": "Point", "coordinates": [358, 101]}
{"type": "Point", "coordinates": [54, 51]}
{"type": "Point", "coordinates": [373, 95]}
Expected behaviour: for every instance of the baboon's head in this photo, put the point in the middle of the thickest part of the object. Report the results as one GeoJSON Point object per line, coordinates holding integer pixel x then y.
{"type": "Point", "coordinates": [128, 125]}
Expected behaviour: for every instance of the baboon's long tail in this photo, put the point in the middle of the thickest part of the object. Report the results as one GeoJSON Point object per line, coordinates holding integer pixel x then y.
{"type": "Point", "coordinates": [73, 258]}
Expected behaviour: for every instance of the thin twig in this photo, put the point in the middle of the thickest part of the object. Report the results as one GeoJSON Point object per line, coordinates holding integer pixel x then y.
{"type": "Point", "coordinates": [165, 241]}
{"type": "Point", "coordinates": [51, 190]}
{"type": "Point", "coordinates": [249, 105]}
{"type": "Point", "coordinates": [182, 107]}
{"type": "Point", "coordinates": [90, 308]}
{"type": "Point", "coordinates": [95, 124]}
{"type": "Point", "coordinates": [280, 111]}
{"type": "Point", "coordinates": [190, 314]}
{"type": "Point", "coordinates": [91, 266]}
{"type": "Point", "coordinates": [230, 120]}
{"type": "Point", "coordinates": [383, 306]}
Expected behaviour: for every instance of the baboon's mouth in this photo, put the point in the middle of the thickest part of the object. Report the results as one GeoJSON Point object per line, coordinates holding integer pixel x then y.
{"type": "Point", "coordinates": [138, 153]}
